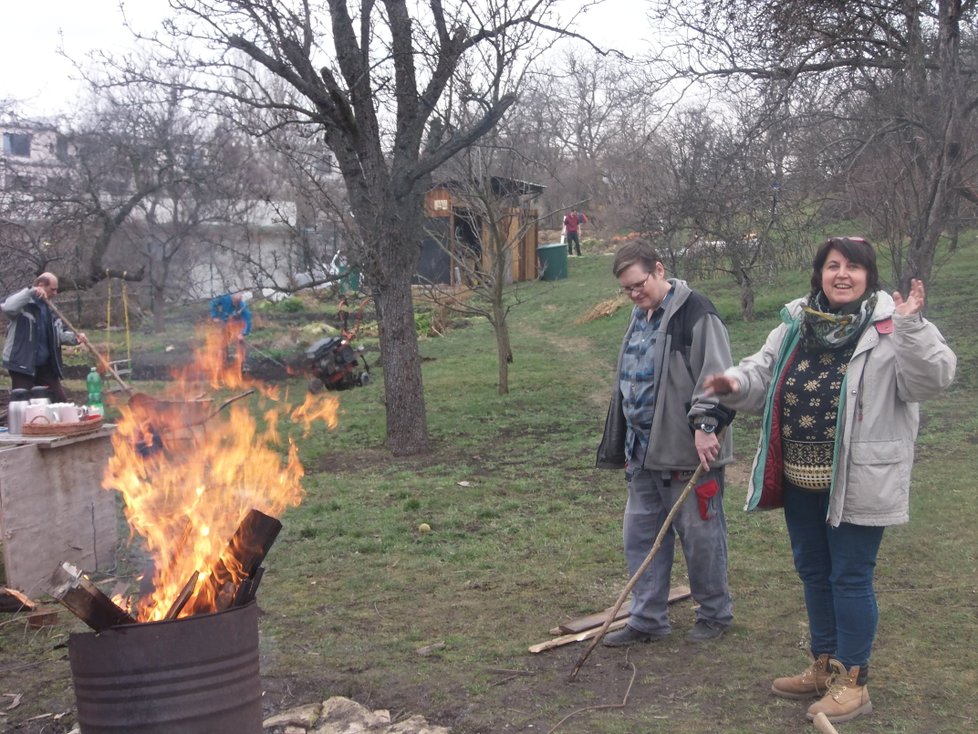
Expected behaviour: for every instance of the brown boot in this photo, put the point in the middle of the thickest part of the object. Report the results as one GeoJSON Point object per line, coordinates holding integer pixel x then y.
{"type": "Point", "coordinates": [813, 681]}
{"type": "Point", "coordinates": [846, 699]}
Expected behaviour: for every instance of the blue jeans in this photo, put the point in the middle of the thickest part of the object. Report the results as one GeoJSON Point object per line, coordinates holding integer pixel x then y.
{"type": "Point", "coordinates": [836, 568]}
{"type": "Point", "coordinates": [704, 542]}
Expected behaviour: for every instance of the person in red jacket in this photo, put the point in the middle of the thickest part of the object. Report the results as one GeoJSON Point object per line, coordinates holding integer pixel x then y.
{"type": "Point", "coordinates": [572, 222]}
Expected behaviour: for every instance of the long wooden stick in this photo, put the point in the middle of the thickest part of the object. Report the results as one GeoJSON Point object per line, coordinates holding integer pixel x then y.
{"type": "Point", "coordinates": [102, 361]}
{"type": "Point", "coordinates": [645, 564]}
{"type": "Point", "coordinates": [567, 639]}
{"type": "Point", "coordinates": [823, 725]}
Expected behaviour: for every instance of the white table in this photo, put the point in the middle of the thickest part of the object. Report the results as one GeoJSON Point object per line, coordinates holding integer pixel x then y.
{"type": "Point", "coordinates": [53, 507]}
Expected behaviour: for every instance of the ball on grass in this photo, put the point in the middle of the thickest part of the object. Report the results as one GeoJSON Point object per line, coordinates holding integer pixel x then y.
{"type": "Point", "coordinates": [424, 528]}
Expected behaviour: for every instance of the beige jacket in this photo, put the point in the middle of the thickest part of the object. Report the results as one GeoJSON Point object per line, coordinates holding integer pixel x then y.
{"type": "Point", "coordinates": [899, 361]}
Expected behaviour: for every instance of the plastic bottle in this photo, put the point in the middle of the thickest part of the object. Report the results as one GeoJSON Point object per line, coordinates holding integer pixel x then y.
{"type": "Point", "coordinates": [94, 383]}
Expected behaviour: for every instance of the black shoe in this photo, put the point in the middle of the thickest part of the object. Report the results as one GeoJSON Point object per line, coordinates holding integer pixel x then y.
{"type": "Point", "coordinates": [629, 636]}
{"type": "Point", "coordinates": [704, 631]}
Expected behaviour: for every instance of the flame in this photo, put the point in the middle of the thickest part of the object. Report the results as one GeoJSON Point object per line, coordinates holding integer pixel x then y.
{"type": "Point", "coordinates": [314, 408]}
{"type": "Point", "coordinates": [189, 470]}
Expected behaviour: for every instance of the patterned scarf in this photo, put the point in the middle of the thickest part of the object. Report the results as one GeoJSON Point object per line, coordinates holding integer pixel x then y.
{"type": "Point", "coordinates": [822, 330]}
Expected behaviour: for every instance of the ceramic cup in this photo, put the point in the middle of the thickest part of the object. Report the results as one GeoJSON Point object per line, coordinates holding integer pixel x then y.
{"type": "Point", "coordinates": [41, 414]}
{"type": "Point", "coordinates": [66, 412]}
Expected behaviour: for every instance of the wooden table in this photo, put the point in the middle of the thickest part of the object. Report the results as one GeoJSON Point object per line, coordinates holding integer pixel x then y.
{"type": "Point", "coordinates": [53, 507]}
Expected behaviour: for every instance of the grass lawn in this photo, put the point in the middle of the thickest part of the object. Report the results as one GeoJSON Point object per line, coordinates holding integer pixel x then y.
{"type": "Point", "coordinates": [526, 533]}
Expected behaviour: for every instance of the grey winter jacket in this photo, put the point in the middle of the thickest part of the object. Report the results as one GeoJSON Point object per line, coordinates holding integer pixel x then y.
{"type": "Point", "coordinates": [898, 361]}
{"type": "Point", "coordinates": [21, 342]}
{"type": "Point", "coordinates": [678, 390]}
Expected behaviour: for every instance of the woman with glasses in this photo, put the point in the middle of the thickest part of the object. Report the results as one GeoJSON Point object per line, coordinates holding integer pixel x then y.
{"type": "Point", "coordinates": [32, 350]}
{"type": "Point", "coordinates": [848, 364]}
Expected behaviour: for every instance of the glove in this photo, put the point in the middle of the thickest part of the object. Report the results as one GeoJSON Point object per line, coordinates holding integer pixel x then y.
{"type": "Point", "coordinates": [704, 493]}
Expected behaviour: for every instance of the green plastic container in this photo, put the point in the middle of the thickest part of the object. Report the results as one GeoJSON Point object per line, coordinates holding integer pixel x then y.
{"type": "Point", "coordinates": [350, 280]}
{"type": "Point", "coordinates": [552, 261]}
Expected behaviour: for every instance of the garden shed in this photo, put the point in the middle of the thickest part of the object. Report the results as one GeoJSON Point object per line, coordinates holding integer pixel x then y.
{"type": "Point", "coordinates": [457, 231]}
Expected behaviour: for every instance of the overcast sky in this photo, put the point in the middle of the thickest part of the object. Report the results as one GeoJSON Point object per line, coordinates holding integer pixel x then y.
{"type": "Point", "coordinates": [34, 73]}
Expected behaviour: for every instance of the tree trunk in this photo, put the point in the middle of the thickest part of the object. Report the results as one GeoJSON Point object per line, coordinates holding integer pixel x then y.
{"type": "Point", "coordinates": [503, 349]}
{"type": "Point", "coordinates": [742, 276]}
{"type": "Point", "coordinates": [407, 423]}
{"type": "Point", "coordinates": [159, 310]}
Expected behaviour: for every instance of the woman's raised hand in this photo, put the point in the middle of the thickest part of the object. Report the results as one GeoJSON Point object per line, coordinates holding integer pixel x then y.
{"type": "Point", "coordinates": [915, 299]}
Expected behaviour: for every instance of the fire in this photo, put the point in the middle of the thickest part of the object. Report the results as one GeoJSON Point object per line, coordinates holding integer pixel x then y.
{"type": "Point", "coordinates": [312, 409]}
{"type": "Point", "coordinates": [189, 470]}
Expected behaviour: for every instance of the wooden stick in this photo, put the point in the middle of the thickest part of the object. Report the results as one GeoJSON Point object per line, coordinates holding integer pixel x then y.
{"type": "Point", "coordinates": [578, 637]}
{"type": "Point", "coordinates": [676, 593]}
{"type": "Point", "coordinates": [666, 525]}
{"type": "Point", "coordinates": [102, 361]}
{"type": "Point", "coordinates": [823, 725]}
{"type": "Point", "coordinates": [85, 600]}
{"type": "Point", "coordinates": [225, 404]}
{"type": "Point", "coordinates": [185, 593]}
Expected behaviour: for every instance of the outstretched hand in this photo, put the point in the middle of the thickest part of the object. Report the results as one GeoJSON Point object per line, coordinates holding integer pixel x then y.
{"type": "Point", "coordinates": [720, 384]}
{"type": "Point", "coordinates": [914, 301]}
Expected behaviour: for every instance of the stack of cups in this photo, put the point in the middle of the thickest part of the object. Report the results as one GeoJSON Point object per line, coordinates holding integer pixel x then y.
{"type": "Point", "coordinates": [65, 412]}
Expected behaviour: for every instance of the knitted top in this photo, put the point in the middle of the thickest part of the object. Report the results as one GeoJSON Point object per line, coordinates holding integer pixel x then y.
{"type": "Point", "coordinates": [809, 412]}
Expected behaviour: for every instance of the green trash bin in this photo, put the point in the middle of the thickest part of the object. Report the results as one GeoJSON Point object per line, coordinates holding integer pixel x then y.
{"type": "Point", "coordinates": [553, 261]}
{"type": "Point", "coordinates": [349, 280]}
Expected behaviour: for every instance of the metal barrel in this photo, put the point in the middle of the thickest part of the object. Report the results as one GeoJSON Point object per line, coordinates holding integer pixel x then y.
{"type": "Point", "coordinates": [196, 675]}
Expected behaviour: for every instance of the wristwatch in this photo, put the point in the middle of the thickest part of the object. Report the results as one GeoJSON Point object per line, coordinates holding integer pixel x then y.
{"type": "Point", "coordinates": [706, 427]}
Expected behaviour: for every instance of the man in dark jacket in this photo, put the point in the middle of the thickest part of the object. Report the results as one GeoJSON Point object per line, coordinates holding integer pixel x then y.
{"type": "Point", "coordinates": [32, 351]}
{"type": "Point", "coordinates": [660, 427]}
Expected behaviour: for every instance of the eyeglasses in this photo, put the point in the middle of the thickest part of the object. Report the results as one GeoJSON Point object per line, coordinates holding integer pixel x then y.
{"type": "Point", "coordinates": [630, 289]}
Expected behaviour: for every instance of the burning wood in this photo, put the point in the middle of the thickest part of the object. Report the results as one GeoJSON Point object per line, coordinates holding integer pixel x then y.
{"type": "Point", "coordinates": [85, 600]}
{"type": "Point", "coordinates": [237, 572]}
{"type": "Point", "coordinates": [188, 471]}
{"type": "Point", "coordinates": [184, 597]}
{"type": "Point", "coordinates": [232, 580]}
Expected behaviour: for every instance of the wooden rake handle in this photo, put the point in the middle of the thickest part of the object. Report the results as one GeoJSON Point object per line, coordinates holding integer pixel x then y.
{"type": "Point", "coordinates": [102, 361]}
{"type": "Point", "coordinates": [687, 490]}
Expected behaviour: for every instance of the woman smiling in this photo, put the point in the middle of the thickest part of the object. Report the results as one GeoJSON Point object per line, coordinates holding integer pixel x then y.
{"type": "Point", "coordinates": [838, 384]}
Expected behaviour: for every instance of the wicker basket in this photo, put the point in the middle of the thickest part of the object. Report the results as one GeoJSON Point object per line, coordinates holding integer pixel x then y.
{"type": "Point", "coordinates": [41, 427]}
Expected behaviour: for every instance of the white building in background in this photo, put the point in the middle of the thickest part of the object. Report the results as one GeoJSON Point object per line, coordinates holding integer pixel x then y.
{"type": "Point", "coordinates": [260, 250]}
{"type": "Point", "coordinates": [32, 155]}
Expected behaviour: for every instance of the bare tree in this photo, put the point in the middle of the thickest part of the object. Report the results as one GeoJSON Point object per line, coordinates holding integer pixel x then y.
{"type": "Point", "coordinates": [369, 78]}
{"type": "Point", "coordinates": [302, 193]}
{"type": "Point", "coordinates": [724, 202]}
{"type": "Point", "coordinates": [493, 222]}
{"type": "Point", "coordinates": [896, 71]}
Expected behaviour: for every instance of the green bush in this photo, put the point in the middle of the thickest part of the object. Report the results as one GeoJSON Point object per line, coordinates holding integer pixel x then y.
{"type": "Point", "coordinates": [287, 305]}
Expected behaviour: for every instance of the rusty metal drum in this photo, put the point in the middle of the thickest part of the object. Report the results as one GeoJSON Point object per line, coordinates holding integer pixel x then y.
{"type": "Point", "coordinates": [196, 675]}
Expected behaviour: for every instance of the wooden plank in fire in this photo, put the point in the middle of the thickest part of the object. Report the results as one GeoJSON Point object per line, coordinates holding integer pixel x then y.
{"type": "Point", "coordinates": [85, 600]}
{"type": "Point", "coordinates": [185, 593]}
{"type": "Point", "coordinates": [239, 563]}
